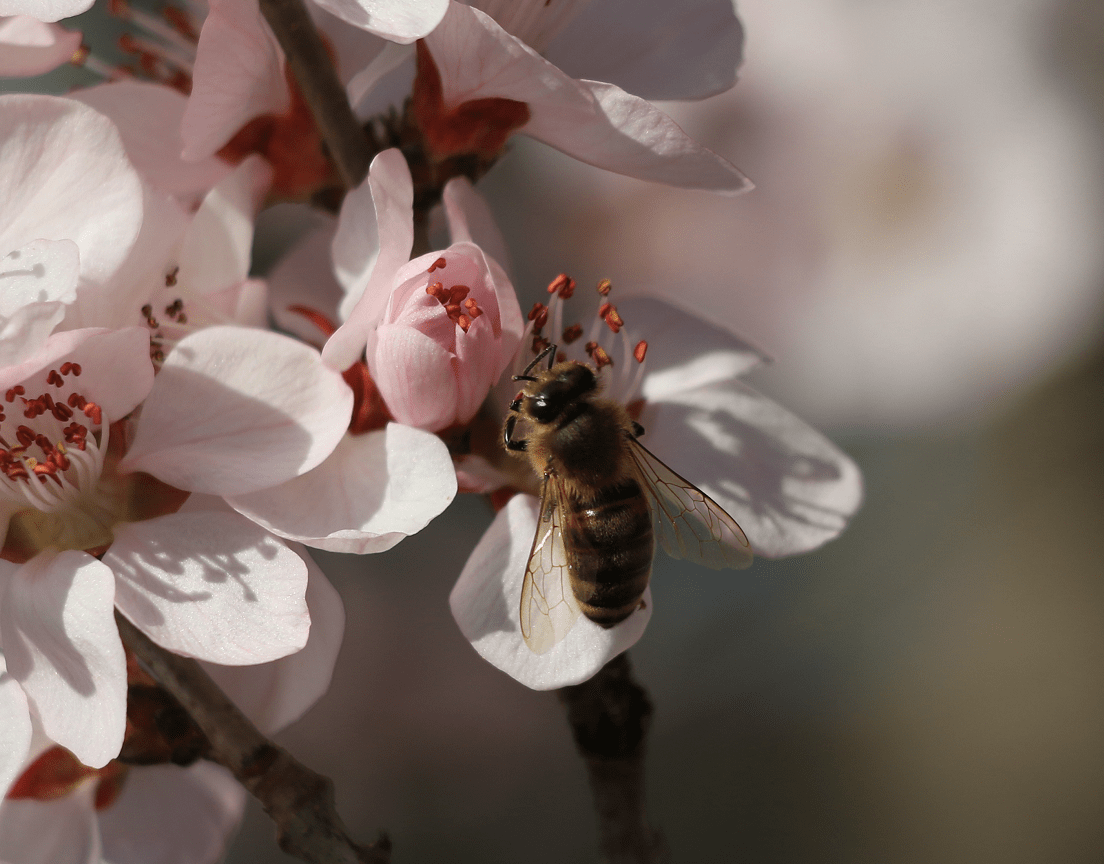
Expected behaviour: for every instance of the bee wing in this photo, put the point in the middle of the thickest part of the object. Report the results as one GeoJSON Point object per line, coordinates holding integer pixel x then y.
{"type": "Point", "coordinates": [548, 605]}
{"type": "Point", "coordinates": [688, 523]}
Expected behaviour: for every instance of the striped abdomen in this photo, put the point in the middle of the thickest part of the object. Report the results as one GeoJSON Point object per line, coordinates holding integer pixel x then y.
{"type": "Point", "coordinates": [608, 538]}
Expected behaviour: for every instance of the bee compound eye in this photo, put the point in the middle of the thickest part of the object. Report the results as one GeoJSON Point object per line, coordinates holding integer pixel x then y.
{"type": "Point", "coordinates": [541, 409]}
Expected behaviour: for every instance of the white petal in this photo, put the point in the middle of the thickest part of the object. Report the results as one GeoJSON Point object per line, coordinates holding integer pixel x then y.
{"type": "Point", "coordinates": [66, 176]}
{"type": "Point", "coordinates": [374, 490]}
{"type": "Point", "coordinates": [51, 832]}
{"type": "Point", "coordinates": [29, 46]}
{"type": "Point", "coordinates": [375, 233]}
{"type": "Point", "coordinates": [487, 598]}
{"type": "Point", "coordinates": [171, 815]}
{"type": "Point", "coordinates": [40, 281]}
{"type": "Point", "coordinates": [684, 351]}
{"type": "Point", "coordinates": [15, 729]}
{"type": "Point", "coordinates": [654, 49]}
{"type": "Point", "coordinates": [238, 76]}
{"type": "Point", "coordinates": [274, 695]}
{"type": "Point", "coordinates": [149, 117]}
{"type": "Point", "coordinates": [470, 218]}
{"type": "Point", "coordinates": [789, 487]}
{"type": "Point", "coordinates": [397, 20]}
{"type": "Point", "coordinates": [44, 10]}
{"type": "Point", "coordinates": [212, 586]}
{"type": "Point", "coordinates": [218, 244]}
{"type": "Point", "coordinates": [234, 410]}
{"type": "Point", "coordinates": [62, 645]}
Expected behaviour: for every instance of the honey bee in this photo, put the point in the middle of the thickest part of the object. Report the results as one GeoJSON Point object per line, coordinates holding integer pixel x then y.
{"type": "Point", "coordinates": [605, 500]}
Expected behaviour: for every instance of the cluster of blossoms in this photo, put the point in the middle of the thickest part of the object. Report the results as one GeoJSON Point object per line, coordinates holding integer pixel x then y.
{"type": "Point", "coordinates": [175, 433]}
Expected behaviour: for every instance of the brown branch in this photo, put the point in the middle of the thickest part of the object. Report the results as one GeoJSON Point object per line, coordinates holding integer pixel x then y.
{"type": "Point", "coordinates": [314, 72]}
{"type": "Point", "coordinates": [609, 716]}
{"type": "Point", "coordinates": [300, 802]}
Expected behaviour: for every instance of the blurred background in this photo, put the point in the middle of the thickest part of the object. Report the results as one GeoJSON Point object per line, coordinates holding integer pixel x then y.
{"type": "Point", "coordinates": [923, 260]}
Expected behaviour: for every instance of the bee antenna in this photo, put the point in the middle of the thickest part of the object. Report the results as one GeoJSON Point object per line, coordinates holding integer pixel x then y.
{"type": "Point", "coordinates": [549, 352]}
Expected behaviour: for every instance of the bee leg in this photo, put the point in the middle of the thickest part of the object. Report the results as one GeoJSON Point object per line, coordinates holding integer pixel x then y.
{"type": "Point", "coordinates": [638, 430]}
{"type": "Point", "coordinates": [507, 433]}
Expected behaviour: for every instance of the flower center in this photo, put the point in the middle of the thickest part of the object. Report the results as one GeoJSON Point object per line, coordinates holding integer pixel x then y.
{"type": "Point", "coordinates": [460, 308]}
{"type": "Point", "coordinates": [52, 448]}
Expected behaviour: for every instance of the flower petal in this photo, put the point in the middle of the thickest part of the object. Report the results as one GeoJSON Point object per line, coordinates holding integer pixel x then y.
{"type": "Point", "coordinates": [15, 726]}
{"type": "Point", "coordinates": [211, 585]}
{"type": "Point", "coordinates": [40, 281]}
{"type": "Point", "coordinates": [67, 177]}
{"type": "Point", "coordinates": [62, 646]}
{"type": "Point", "coordinates": [149, 118]}
{"type": "Point", "coordinates": [470, 218]}
{"type": "Point", "coordinates": [217, 247]}
{"type": "Point", "coordinates": [487, 597]}
{"type": "Point", "coordinates": [375, 233]}
{"type": "Point", "coordinates": [28, 46]}
{"type": "Point", "coordinates": [63, 831]}
{"type": "Point", "coordinates": [238, 76]}
{"type": "Point", "coordinates": [373, 490]}
{"type": "Point", "coordinates": [235, 410]}
{"type": "Point", "coordinates": [172, 815]}
{"type": "Point", "coordinates": [789, 487]}
{"type": "Point", "coordinates": [654, 49]}
{"type": "Point", "coordinates": [44, 10]}
{"type": "Point", "coordinates": [398, 20]}
{"type": "Point", "coordinates": [274, 695]}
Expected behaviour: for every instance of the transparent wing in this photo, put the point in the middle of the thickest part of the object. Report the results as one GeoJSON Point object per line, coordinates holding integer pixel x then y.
{"type": "Point", "coordinates": [548, 605]}
{"type": "Point", "coordinates": [688, 523]}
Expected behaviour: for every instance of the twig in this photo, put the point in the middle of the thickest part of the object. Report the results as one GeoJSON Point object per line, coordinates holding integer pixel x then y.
{"type": "Point", "coordinates": [609, 717]}
{"type": "Point", "coordinates": [317, 79]}
{"type": "Point", "coordinates": [300, 802]}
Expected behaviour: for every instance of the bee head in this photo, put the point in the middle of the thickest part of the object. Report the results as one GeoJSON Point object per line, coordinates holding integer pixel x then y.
{"type": "Point", "coordinates": [556, 389]}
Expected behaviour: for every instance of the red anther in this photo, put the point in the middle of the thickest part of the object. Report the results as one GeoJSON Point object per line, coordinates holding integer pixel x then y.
{"type": "Point", "coordinates": [464, 321]}
{"type": "Point", "coordinates": [93, 412]}
{"type": "Point", "coordinates": [560, 356]}
{"type": "Point", "coordinates": [539, 344]}
{"type": "Point", "coordinates": [613, 319]}
{"type": "Point", "coordinates": [75, 434]}
{"type": "Point", "coordinates": [561, 284]}
{"type": "Point", "coordinates": [604, 287]}
{"type": "Point", "coordinates": [315, 317]}
{"type": "Point", "coordinates": [147, 311]}
{"type": "Point", "coordinates": [179, 21]}
{"type": "Point", "coordinates": [472, 308]}
{"type": "Point", "coordinates": [572, 333]}
{"type": "Point", "coordinates": [77, 401]}
{"type": "Point", "coordinates": [118, 8]}
{"type": "Point", "coordinates": [25, 435]}
{"type": "Point", "coordinates": [452, 310]}
{"type": "Point", "coordinates": [66, 368]}
{"type": "Point", "coordinates": [437, 265]}
{"type": "Point", "coordinates": [80, 55]}
{"type": "Point", "coordinates": [76, 367]}
{"type": "Point", "coordinates": [128, 44]}
{"type": "Point", "coordinates": [598, 355]}
{"type": "Point", "coordinates": [603, 310]}
{"type": "Point", "coordinates": [458, 293]}
{"type": "Point", "coordinates": [437, 290]}
{"type": "Point", "coordinates": [170, 279]}
{"type": "Point", "coordinates": [17, 390]}
{"type": "Point", "coordinates": [55, 378]}
{"type": "Point", "coordinates": [640, 350]}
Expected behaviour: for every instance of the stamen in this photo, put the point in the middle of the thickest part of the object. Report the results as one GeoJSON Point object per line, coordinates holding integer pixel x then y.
{"type": "Point", "coordinates": [598, 354]}
{"type": "Point", "coordinates": [170, 277]}
{"type": "Point", "coordinates": [572, 334]}
{"type": "Point", "coordinates": [640, 351]}
{"type": "Point", "coordinates": [604, 287]}
{"type": "Point", "coordinates": [437, 265]}
{"type": "Point", "coordinates": [538, 315]}
{"type": "Point", "coordinates": [563, 285]}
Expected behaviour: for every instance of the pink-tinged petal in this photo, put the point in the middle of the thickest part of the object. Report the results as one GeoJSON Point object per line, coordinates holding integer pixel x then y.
{"type": "Point", "coordinates": [274, 695]}
{"type": "Point", "coordinates": [470, 219]}
{"type": "Point", "coordinates": [397, 20]}
{"type": "Point", "coordinates": [149, 117]}
{"type": "Point", "coordinates": [63, 831]}
{"type": "Point", "coordinates": [655, 49]}
{"type": "Point", "coordinates": [238, 76]}
{"type": "Point", "coordinates": [374, 237]}
{"type": "Point", "coordinates": [487, 598]}
{"type": "Point", "coordinates": [171, 815]}
{"type": "Point", "coordinates": [789, 487]}
{"type": "Point", "coordinates": [415, 376]}
{"type": "Point", "coordinates": [15, 728]}
{"type": "Point", "coordinates": [219, 242]}
{"type": "Point", "coordinates": [40, 281]}
{"type": "Point", "coordinates": [684, 352]}
{"type": "Point", "coordinates": [29, 46]}
{"type": "Point", "coordinates": [373, 490]}
{"type": "Point", "coordinates": [211, 585]}
{"type": "Point", "coordinates": [628, 135]}
{"type": "Point", "coordinates": [235, 410]}
{"type": "Point", "coordinates": [61, 644]}
{"type": "Point", "coordinates": [594, 122]}
{"type": "Point", "coordinates": [116, 372]}
{"type": "Point", "coordinates": [304, 278]}
{"type": "Point", "coordinates": [245, 303]}
{"type": "Point", "coordinates": [67, 177]}
{"type": "Point", "coordinates": [45, 10]}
